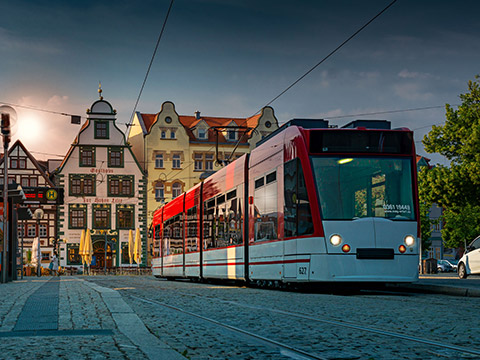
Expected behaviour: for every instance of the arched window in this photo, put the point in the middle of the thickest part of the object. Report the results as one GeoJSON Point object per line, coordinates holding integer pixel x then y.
{"type": "Point", "coordinates": [159, 191]}
{"type": "Point", "coordinates": [176, 190]}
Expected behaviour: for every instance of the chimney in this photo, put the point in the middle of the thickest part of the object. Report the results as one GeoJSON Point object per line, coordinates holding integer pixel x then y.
{"type": "Point", "coordinates": [197, 114]}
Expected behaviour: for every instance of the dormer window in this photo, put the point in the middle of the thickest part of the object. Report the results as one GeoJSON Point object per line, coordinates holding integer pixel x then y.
{"type": "Point", "coordinates": [163, 134]}
{"type": "Point", "coordinates": [231, 135]}
{"type": "Point", "coordinates": [202, 133]}
{"type": "Point", "coordinates": [172, 134]}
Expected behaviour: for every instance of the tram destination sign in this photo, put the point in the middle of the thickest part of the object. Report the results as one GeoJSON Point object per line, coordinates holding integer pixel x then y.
{"type": "Point", "coordinates": [43, 195]}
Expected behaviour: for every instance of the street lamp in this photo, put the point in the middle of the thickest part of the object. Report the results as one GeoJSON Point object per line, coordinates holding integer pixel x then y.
{"type": "Point", "coordinates": [9, 116]}
{"type": "Point", "coordinates": [38, 215]}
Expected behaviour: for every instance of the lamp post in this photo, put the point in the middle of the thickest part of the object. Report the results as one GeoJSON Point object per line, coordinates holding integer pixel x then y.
{"type": "Point", "coordinates": [38, 215]}
{"type": "Point", "coordinates": [8, 116]}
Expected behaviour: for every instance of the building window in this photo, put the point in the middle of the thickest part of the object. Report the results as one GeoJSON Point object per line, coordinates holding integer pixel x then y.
{"type": "Point", "coordinates": [159, 161]}
{"type": "Point", "coordinates": [43, 230]}
{"type": "Point", "coordinates": [18, 163]}
{"type": "Point", "coordinates": [114, 187]}
{"type": "Point", "coordinates": [77, 216]}
{"type": "Point", "coordinates": [87, 156]}
{"type": "Point", "coordinates": [88, 188]}
{"type": "Point", "coordinates": [101, 216]}
{"type": "Point", "coordinates": [101, 130]}
{"type": "Point", "coordinates": [198, 161]}
{"type": "Point", "coordinates": [208, 162]}
{"type": "Point", "coordinates": [125, 217]}
{"type": "Point", "coordinates": [120, 185]}
{"type": "Point", "coordinates": [176, 190]}
{"type": "Point", "coordinates": [115, 157]}
{"type": "Point", "coordinates": [159, 191]}
{"type": "Point", "coordinates": [20, 230]}
{"type": "Point", "coordinates": [176, 161]}
{"type": "Point", "coordinates": [202, 133]}
{"type": "Point", "coordinates": [81, 185]}
{"type": "Point", "coordinates": [73, 257]}
{"type": "Point", "coordinates": [127, 187]}
{"type": "Point", "coordinates": [232, 135]}
{"type": "Point", "coordinates": [172, 134]}
{"type": "Point", "coordinates": [163, 134]}
{"type": "Point", "coordinates": [31, 230]}
{"type": "Point", "coordinates": [28, 181]}
{"type": "Point", "coordinates": [45, 256]}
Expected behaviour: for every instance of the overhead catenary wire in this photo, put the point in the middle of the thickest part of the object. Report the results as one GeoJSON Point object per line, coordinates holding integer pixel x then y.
{"type": "Point", "coordinates": [29, 107]}
{"type": "Point", "coordinates": [389, 112]}
{"type": "Point", "coordinates": [150, 65]}
{"type": "Point", "coordinates": [328, 56]}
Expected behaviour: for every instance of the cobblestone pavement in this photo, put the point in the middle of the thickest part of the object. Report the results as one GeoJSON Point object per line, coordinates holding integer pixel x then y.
{"type": "Point", "coordinates": [444, 319]}
{"type": "Point", "coordinates": [98, 316]}
{"type": "Point", "coordinates": [86, 328]}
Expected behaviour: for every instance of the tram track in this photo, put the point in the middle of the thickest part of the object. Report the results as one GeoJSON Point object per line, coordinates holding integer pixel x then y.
{"type": "Point", "coordinates": [284, 349]}
{"type": "Point", "coordinates": [333, 322]}
{"type": "Point", "coordinates": [438, 348]}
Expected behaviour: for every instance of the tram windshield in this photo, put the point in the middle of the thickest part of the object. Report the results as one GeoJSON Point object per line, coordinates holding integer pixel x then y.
{"type": "Point", "coordinates": [358, 187]}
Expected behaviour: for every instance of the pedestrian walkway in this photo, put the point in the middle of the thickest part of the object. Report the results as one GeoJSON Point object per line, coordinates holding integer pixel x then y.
{"type": "Point", "coordinates": [70, 318]}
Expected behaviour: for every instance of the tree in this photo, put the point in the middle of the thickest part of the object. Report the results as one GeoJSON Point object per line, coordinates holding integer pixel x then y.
{"type": "Point", "coordinates": [425, 227]}
{"type": "Point", "coordinates": [456, 188]}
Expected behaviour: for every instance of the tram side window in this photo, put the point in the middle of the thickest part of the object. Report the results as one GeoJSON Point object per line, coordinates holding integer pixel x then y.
{"type": "Point", "coordinates": [192, 233]}
{"type": "Point", "coordinates": [173, 235]}
{"type": "Point", "coordinates": [221, 222]}
{"type": "Point", "coordinates": [297, 213]}
{"type": "Point", "coordinates": [156, 239]}
{"type": "Point", "coordinates": [208, 224]}
{"type": "Point", "coordinates": [234, 219]}
{"type": "Point", "coordinates": [265, 199]}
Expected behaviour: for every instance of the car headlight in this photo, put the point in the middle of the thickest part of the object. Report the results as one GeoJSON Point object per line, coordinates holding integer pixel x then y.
{"type": "Point", "coordinates": [335, 240]}
{"type": "Point", "coordinates": [409, 240]}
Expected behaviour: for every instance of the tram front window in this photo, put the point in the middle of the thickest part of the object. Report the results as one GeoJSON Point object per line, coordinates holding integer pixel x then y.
{"type": "Point", "coordinates": [351, 188]}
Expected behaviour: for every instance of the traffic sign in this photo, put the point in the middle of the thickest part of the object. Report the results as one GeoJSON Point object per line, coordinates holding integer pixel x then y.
{"type": "Point", "coordinates": [43, 195]}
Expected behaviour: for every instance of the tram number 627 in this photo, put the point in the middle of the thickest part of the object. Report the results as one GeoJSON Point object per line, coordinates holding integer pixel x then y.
{"type": "Point", "coordinates": [302, 270]}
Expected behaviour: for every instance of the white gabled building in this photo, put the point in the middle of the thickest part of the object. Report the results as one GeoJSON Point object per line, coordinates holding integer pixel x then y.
{"type": "Point", "coordinates": [104, 191]}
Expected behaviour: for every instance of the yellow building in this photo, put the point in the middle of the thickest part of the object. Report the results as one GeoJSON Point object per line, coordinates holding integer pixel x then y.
{"type": "Point", "coordinates": [179, 151]}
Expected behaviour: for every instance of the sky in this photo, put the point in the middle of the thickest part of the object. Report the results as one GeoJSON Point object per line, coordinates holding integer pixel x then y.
{"type": "Point", "coordinates": [229, 58]}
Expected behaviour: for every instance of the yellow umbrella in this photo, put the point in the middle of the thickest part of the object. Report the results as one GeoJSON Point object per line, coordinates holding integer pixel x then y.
{"type": "Point", "coordinates": [137, 253]}
{"type": "Point", "coordinates": [130, 246]}
{"type": "Point", "coordinates": [82, 244]}
{"type": "Point", "coordinates": [88, 249]}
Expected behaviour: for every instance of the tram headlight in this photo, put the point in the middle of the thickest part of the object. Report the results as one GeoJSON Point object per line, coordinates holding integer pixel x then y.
{"type": "Point", "coordinates": [409, 240]}
{"type": "Point", "coordinates": [335, 240]}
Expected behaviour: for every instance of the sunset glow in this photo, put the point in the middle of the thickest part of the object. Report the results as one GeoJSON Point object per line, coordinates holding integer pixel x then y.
{"type": "Point", "coordinates": [30, 129]}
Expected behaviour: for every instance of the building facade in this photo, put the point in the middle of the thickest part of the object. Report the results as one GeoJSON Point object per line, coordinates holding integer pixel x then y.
{"type": "Point", "coordinates": [179, 151]}
{"type": "Point", "coordinates": [104, 188]}
{"type": "Point", "coordinates": [27, 172]}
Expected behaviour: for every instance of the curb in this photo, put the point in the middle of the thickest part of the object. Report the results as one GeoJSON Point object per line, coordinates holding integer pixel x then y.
{"type": "Point", "coordinates": [440, 289]}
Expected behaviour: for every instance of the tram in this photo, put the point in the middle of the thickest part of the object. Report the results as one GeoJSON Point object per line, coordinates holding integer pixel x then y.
{"type": "Point", "coordinates": [311, 203]}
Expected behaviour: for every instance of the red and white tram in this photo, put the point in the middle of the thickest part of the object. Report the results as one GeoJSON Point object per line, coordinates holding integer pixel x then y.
{"type": "Point", "coordinates": [309, 204]}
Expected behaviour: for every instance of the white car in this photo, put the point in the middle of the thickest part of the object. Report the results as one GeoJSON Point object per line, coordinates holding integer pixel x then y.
{"type": "Point", "coordinates": [469, 264]}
